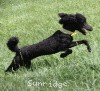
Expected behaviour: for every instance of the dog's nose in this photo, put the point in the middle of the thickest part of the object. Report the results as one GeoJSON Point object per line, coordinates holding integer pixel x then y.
{"type": "Point", "coordinates": [91, 28]}
{"type": "Point", "coordinates": [87, 27]}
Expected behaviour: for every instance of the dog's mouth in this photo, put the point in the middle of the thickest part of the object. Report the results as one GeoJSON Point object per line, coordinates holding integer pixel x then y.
{"type": "Point", "coordinates": [86, 27]}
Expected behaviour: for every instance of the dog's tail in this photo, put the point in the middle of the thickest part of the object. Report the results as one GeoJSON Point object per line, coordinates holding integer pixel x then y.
{"type": "Point", "coordinates": [13, 44]}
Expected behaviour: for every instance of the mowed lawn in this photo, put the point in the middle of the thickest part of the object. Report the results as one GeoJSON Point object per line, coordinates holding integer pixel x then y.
{"type": "Point", "coordinates": [35, 20]}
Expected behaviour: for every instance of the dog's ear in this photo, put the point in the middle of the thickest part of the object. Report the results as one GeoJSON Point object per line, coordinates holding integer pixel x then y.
{"type": "Point", "coordinates": [68, 19]}
{"type": "Point", "coordinates": [80, 17]}
{"type": "Point", "coordinates": [61, 15]}
{"type": "Point", "coordinates": [64, 17]}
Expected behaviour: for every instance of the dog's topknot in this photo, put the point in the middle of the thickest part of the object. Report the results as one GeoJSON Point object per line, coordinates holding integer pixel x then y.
{"type": "Point", "coordinates": [61, 14]}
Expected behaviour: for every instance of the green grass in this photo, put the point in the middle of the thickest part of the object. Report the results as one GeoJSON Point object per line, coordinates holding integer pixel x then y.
{"type": "Point", "coordinates": [35, 20]}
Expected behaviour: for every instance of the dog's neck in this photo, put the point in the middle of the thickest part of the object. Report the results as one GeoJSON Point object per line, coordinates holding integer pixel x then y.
{"type": "Point", "coordinates": [66, 31]}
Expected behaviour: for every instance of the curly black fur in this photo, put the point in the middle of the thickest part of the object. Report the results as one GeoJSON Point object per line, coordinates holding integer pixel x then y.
{"type": "Point", "coordinates": [12, 44]}
{"type": "Point", "coordinates": [72, 22]}
{"type": "Point", "coordinates": [58, 42]}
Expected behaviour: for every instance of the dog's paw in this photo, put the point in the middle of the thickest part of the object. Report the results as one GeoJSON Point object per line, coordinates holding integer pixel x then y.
{"type": "Point", "coordinates": [63, 55]}
{"type": "Point", "coordinates": [89, 49]}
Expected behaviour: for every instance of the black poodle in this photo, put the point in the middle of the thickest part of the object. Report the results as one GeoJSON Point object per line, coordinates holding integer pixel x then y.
{"type": "Point", "coordinates": [58, 42]}
{"type": "Point", "coordinates": [72, 22]}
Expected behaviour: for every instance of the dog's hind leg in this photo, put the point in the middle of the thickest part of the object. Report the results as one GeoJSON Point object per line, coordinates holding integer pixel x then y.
{"type": "Point", "coordinates": [10, 67]}
{"type": "Point", "coordinates": [75, 43]}
{"type": "Point", "coordinates": [67, 52]}
{"type": "Point", "coordinates": [28, 64]}
{"type": "Point", "coordinates": [13, 66]}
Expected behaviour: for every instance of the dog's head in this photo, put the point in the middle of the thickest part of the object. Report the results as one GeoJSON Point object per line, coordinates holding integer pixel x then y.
{"type": "Point", "coordinates": [74, 22]}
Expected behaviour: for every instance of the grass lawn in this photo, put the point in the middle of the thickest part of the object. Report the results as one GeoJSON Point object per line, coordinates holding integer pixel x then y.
{"type": "Point", "coordinates": [35, 20]}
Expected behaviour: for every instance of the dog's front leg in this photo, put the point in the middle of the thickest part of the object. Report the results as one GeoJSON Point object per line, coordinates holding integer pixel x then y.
{"type": "Point", "coordinates": [67, 52]}
{"type": "Point", "coordinates": [75, 43]}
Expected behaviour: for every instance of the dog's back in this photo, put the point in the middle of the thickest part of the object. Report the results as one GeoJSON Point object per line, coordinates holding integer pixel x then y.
{"type": "Point", "coordinates": [55, 43]}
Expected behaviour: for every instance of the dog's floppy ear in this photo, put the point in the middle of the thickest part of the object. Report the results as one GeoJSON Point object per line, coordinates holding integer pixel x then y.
{"type": "Point", "coordinates": [68, 19]}
{"type": "Point", "coordinates": [61, 15]}
{"type": "Point", "coordinates": [64, 17]}
{"type": "Point", "coordinates": [80, 17]}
